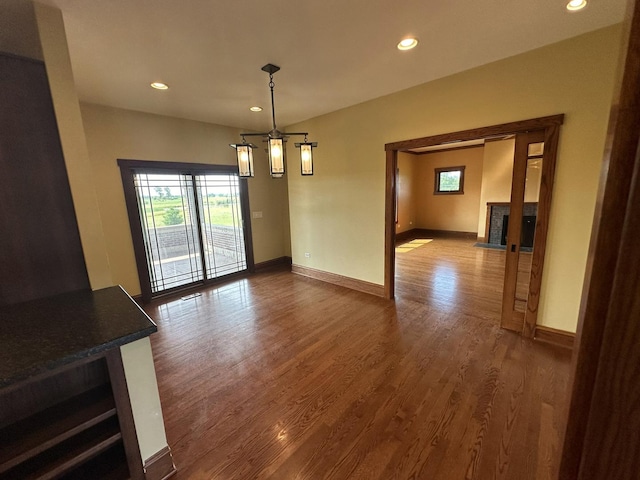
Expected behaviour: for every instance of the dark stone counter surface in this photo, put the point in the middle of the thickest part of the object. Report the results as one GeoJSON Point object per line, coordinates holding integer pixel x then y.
{"type": "Point", "coordinates": [42, 335]}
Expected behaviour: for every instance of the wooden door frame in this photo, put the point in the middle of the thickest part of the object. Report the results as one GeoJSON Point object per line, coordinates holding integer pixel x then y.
{"type": "Point", "coordinates": [601, 438]}
{"type": "Point", "coordinates": [525, 322]}
{"type": "Point", "coordinates": [551, 127]}
{"type": "Point", "coordinates": [127, 171]}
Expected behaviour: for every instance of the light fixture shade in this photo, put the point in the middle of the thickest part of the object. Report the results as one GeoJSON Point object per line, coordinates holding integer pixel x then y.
{"type": "Point", "coordinates": [306, 158]}
{"type": "Point", "coordinates": [244, 154]}
{"type": "Point", "coordinates": [276, 157]}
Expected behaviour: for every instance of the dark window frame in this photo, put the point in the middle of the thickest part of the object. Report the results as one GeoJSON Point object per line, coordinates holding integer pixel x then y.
{"type": "Point", "coordinates": [438, 171]}
{"type": "Point", "coordinates": [128, 169]}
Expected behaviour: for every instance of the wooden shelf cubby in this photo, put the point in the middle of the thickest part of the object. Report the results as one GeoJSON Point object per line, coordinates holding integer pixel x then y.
{"type": "Point", "coordinates": [68, 425]}
{"type": "Point", "coordinates": [30, 437]}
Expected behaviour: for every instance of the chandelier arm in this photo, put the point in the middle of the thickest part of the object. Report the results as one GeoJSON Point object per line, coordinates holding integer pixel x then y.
{"type": "Point", "coordinates": [266, 134]}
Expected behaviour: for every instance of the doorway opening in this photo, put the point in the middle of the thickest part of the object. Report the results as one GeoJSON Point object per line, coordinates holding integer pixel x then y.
{"type": "Point", "coordinates": [187, 222]}
{"type": "Point", "coordinates": [527, 203]}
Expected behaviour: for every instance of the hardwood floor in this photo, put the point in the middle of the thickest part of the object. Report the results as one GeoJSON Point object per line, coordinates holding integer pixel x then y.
{"type": "Point", "coordinates": [453, 275]}
{"type": "Point", "coordinates": [285, 377]}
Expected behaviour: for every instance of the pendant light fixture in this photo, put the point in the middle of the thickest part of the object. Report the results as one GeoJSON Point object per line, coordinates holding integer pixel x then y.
{"type": "Point", "coordinates": [306, 156]}
{"type": "Point", "coordinates": [244, 155]}
{"type": "Point", "coordinates": [276, 141]}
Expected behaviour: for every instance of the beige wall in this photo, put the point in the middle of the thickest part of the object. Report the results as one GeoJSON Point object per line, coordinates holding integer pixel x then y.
{"type": "Point", "coordinates": [333, 212]}
{"type": "Point", "coordinates": [115, 133]}
{"type": "Point", "coordinates": [457, 213]}
{"type": "Point", "coordinates": [497, 172]}
{"type": "Point", "coordinates": [74, 145]}
{"type": "Point", "coordinates": [406, 192]}
{"type": "Point", "coordinates": [270, 196]}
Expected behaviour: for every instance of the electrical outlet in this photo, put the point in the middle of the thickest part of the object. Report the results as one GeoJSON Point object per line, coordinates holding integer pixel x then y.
{"type": "Point", "coordinates": [307, 255]}
{"type": "Point", "coordinates": [256, 214]}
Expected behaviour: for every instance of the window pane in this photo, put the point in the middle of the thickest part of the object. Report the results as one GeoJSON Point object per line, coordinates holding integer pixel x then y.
{"type": "Point", "coordinates": [450, 181]}
{"type": "Point", "coordinates": [167, 214]}
{"type": "Point", "coordinates": [535, 149]}
{"type": "Point", "coordinates": [221, 223]}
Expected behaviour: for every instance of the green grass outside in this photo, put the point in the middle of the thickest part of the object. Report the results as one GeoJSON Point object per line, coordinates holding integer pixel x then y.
{"type": "Point", "coordinates": [218, 212]}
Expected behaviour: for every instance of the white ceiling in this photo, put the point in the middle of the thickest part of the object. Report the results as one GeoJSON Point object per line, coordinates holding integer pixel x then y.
{"type": "Point", "coordinates": [332, 53]}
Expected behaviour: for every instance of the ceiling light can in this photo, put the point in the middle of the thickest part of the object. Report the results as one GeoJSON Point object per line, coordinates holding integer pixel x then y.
{"type": "Point", "coordinates": [255, 109]}
{"type": "Point", "coordinates": [575, 5]}
{"type": "Point", "coordinates": [407, 43]}
{"type": "Point", "coordinates": [159, 86]}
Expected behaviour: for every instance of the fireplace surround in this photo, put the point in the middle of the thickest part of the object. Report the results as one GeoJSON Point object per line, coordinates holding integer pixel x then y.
{"type": "Point", "coordinates": [496, 213]}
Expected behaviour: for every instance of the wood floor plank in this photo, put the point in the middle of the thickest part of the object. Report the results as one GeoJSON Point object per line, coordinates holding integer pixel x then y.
{"type": "Point", "coordinates": [281, 376]}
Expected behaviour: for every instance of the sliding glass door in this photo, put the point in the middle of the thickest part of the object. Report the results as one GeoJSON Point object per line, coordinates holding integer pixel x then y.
{"type": "Point", "coordinates": [189, 224]}
{"type": "Point", "coordinates": [167, 210]}
{"type": "Point", "coordinates": [221, 224]}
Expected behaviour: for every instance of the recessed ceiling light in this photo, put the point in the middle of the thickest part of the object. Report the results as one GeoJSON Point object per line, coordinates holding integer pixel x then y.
{"type": "Point", "coordinates": [160, 86]}
{"type": "Point", "coordinates": [408, 43]}
{"type": "Point", "coordinates": [256, 109]}
{"type": "Point", "coordinates": [575, 5]}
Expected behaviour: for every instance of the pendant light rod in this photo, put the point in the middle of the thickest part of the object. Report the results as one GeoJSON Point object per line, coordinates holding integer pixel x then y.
{"type": "Point", "coordinates": [270, 68]}
{"type": "Point", "coordinates": [273, 104]}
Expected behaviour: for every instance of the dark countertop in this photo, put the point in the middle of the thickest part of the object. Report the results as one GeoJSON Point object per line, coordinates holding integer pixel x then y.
{"type": "Point", "coordinates": [42, 335]}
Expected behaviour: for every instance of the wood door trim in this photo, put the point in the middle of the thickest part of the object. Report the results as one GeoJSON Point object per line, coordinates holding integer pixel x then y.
{"type": "Point", "coordinates": [529, 319]}
{"type": "Point", "coordinates": [520, 126]}
{"type": "Point", "coordinates": [551, 138]}
{"type": "Point", "coordinates": [431, 152]}
{"type": "Point", "coordinates": [599, 353]}
{"type": "Point", "coordinates": [553, 122]}
{"type": "Point", "coordinates": [390, 224]}
{"type": "Point", "coordinates": [487, 226]}
{"type": "Point", "coordinates": [513, 234]}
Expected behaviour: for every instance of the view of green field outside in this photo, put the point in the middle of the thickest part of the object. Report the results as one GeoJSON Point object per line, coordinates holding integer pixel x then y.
{"type": "Point", "coordinates": [168, 210]}
{"type": "Point", "coordinates": [180, 251]}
